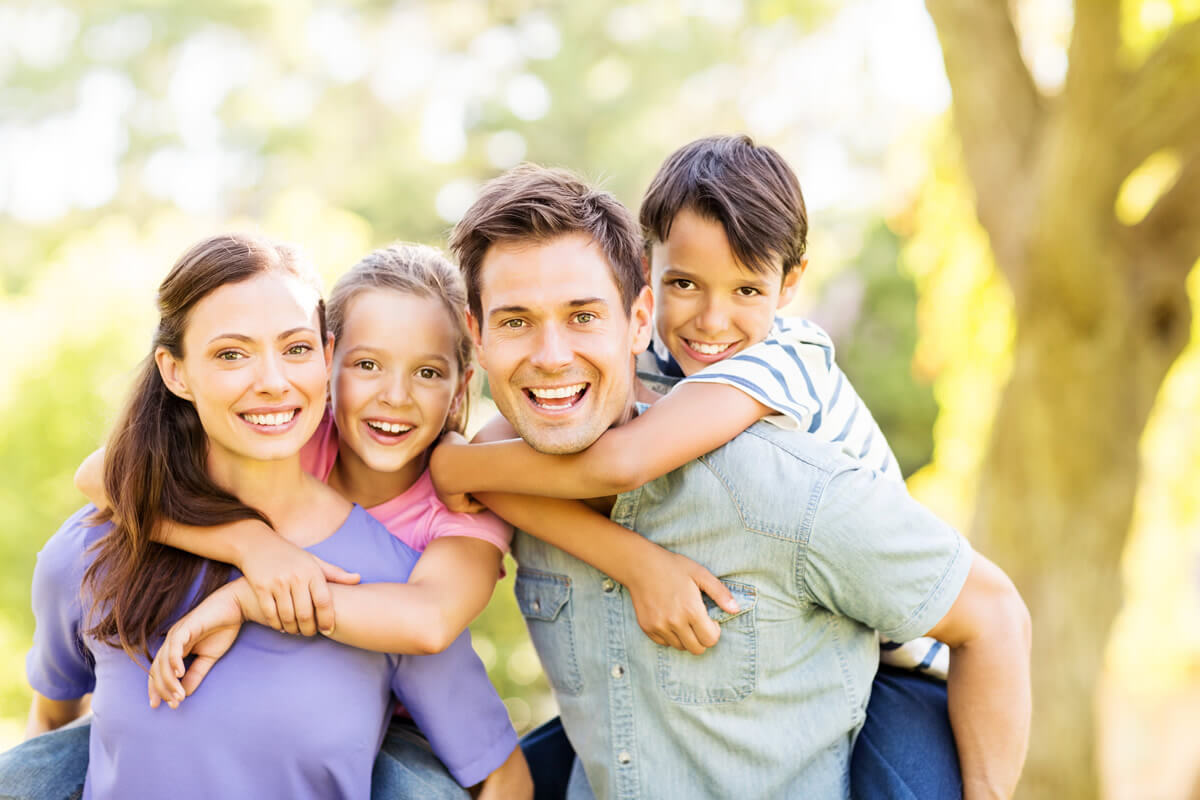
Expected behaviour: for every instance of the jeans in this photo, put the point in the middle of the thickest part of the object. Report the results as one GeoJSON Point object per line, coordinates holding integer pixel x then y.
{"type": "Point", "coordinates": [53, 766]}
{"type": "Point", "coordinates": [905, 751]}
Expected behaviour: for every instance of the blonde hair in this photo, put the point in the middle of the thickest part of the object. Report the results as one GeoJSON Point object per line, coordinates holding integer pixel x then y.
{"type": "Point", "coordinates": [417, 270]}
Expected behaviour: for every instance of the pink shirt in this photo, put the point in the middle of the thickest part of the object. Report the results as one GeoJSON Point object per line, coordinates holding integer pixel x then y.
{"type": "Point", "coordinates": [416, 516]}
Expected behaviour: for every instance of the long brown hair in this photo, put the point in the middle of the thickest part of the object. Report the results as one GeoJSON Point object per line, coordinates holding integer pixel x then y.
{"type": "Point", "coordinates": [155, 462]}
{"type": "Point", "coordinates": [418, 270]}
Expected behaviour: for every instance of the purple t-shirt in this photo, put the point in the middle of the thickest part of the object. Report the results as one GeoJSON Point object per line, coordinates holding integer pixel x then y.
{"type": "Point", "coordinates": [279, 716]}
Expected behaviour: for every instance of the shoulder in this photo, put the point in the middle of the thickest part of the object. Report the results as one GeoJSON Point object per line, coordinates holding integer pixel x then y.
{"type": "Point", "coordinates": [800, 331]}
{"type": "Point", "coordinates": [66, 554]}
{"type": "Point", "coordinates": [365, 545]}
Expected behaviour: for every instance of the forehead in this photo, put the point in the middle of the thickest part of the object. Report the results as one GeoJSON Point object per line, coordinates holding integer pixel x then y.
{"type": "Point", "coordinates": [261, 307]}
{"type": "Point", "coordinates": [388, 319]}
{"type": "Point", "coordinates": [545, 275]}
{"type": "Point", "coordinates": [699, 243]}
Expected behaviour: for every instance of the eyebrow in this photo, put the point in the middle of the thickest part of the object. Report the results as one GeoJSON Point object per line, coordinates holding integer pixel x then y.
{"type": "Point", "coordinates": [369, 350]}
{"type": "Point", "coordinates": [241, 337]}
{"type": "Point", "coordinates": [582, 301]}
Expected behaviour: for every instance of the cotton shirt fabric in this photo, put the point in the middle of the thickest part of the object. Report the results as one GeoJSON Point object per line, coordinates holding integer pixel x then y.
{"type": "Point", "coordinates": [278, 716]}
{"type": "Point", "coordinates": [773, 709]}
{"type": "Point", "coordinates": [794, 372]}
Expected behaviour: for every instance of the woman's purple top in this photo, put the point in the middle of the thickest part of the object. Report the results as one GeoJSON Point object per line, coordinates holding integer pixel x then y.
{"type": "Point", "coordinates": [279, 716]}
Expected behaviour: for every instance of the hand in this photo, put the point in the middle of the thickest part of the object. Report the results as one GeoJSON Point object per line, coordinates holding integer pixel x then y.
{"type": "Point", "coordinates": [206, 632]}
{"type": "Point", "coordinates": [290, 585]}
{"type": "Point", "coordinates": [666, 598]}
{"type": "Point", "coordinates": [509, 780]}
{"type": "Point", "coordinates": [458, 501]}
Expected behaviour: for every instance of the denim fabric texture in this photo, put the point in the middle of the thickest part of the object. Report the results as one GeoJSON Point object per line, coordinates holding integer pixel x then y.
{"type": "Point", "coordinates": [820, 553]}
{"type": "Point", "coordinates": [52, 766]}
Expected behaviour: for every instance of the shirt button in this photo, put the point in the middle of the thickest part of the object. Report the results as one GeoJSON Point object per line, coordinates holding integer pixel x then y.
{"type": "Point", "coordinates": [623, 757]}
{"type": "Point", "coordinates": [609, 585]}
{"type": "Point", "coordinates": [617, 671]}
{"type": "Point", "coordinates": [536, 605]}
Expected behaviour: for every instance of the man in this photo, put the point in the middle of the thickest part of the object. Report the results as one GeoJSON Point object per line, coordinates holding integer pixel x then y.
{"type": "Point", "coordinates": [818, 552]}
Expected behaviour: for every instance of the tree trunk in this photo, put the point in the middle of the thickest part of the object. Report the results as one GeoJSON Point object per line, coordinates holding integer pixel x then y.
{"type": "Point", "coordinates": [1057, 491]}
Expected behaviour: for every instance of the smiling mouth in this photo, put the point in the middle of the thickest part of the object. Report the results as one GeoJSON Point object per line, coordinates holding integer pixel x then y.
{"type": "Point", "coordinates": [709, 349]}
{"type": "Point", "coordinates": [271, 420]}
{"type": "Point", "coordinates": [388, 429]}
{"type": "Point", "coordinates": [558, 398]}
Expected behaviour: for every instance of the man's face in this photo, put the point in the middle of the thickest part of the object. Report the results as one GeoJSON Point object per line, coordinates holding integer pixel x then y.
{"type": "Point", "coordinates": [556, 342]}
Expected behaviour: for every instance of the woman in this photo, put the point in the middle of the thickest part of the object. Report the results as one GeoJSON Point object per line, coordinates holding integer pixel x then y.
{"type": "Point", "coordinates": [235, 386]}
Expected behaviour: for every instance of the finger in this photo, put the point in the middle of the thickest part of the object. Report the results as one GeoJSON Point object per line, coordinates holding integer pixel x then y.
{"type": "Point", "coordinates": [164, 683]}
{"type": "Point", "coordinates": [687, 637]}
{"type": "Point", "coordinates": [673, 640]}
{"type": "Point", "coordinates": [155, 697]}
{"type": "Point", "coordinates": [719, 592]}
{"type": "Point", "coordinates": [706, 632]}
{"type": "Point", "coordinates": [658, 639]}
{"type": "Point", "coordinates": [266, 602]}
{"type": "Point", "coordinates": [303, 604]}
{"type": "Point", "coordinates": [177, 647]}
{"type": "Point", "coordinates": [322, 600]}
{"type": "Point", "coordinates": [196, 674]}
{"type": "Point", "coordinates": [333, 572]}
{"type": "Point", "coordinates": [287, 613]}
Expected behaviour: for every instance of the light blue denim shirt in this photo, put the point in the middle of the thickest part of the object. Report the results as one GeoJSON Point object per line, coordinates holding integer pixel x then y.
{"type": "Point", "coordinates": [820, 553]}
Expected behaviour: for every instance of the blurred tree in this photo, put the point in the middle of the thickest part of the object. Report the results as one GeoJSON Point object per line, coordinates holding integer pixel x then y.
{"type": "Point", "coordinates": [1090, 198]}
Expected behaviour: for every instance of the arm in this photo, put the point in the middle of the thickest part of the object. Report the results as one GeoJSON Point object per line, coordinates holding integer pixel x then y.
{"type": "Point", "coordinates": [46, 715]}
{"type": "Point", "coordinates": [662, 439]}
{"type": "Point", "coordinates": [290, 583]}
{"type": "Point", "coordinates": [988, 630]}
{"type": "Point", "coordinates": [511, 780]}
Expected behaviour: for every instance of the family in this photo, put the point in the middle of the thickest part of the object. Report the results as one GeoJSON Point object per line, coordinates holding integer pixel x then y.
{"type": "Point", "coordinates": [289, 533]}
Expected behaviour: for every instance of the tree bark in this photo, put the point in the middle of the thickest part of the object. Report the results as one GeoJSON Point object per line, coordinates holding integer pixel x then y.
{"type": "Point", "coordinates": [1101, 312]}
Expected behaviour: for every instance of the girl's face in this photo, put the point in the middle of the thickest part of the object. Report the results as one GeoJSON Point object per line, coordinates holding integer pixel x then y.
{"type": "Point", "coordinates": [395, 380]}
{"type": "Point", "coordinates": [254, 366]}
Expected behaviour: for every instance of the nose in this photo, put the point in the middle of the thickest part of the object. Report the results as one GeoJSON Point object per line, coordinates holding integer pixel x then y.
{"type": "Point", "coordinates": [713, 317]}
{"type": "Point", "coordinates": [395, 392]}
{"type": "Point", "coordinates": [272, 377]}
{"type": "Point", "coordinates": [553, 350]}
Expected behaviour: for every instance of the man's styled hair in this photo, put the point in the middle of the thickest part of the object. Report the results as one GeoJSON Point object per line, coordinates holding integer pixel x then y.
{"type": "Point", "coordinates": [749, 189]}
{"type": "Point", "coordinates": [536, 204]}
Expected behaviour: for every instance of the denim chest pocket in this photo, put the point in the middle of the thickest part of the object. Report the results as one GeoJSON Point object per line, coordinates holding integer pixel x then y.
{"type": "Point", "coordinates": [544, 600]}
{"type": "Point", "coordinates": [726, 672]}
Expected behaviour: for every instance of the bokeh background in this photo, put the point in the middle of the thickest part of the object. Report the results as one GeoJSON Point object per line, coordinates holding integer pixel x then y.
{"type": "Point", "coordinates": [1005, 215]}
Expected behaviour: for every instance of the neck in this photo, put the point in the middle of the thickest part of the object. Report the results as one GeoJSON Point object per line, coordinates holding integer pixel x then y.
{"type": "Point", "coordinates": [368, 487]}
{"type": "Point", "coordinates": [277, 488]}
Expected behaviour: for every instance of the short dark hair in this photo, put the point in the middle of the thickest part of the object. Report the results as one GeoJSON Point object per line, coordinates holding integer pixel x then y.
{"type": "Point", "coordinates": [749, 189]}
{"type": "Point", "coordinates": [536, 204]}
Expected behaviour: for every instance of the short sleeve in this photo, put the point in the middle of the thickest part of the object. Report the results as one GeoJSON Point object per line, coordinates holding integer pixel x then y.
{"type": "Point", "coordinates": [485, 525]}
{"type": "Point", "coordinates": [59, 665]}
{"type": "Point", "coordinates": [783, 372]}
{"type": "Point", "coordinates": [874, 554]}
{"type": "Point", "coordinates": [455, 705]}
{"type": "Point", "coordinates": [320, 451]}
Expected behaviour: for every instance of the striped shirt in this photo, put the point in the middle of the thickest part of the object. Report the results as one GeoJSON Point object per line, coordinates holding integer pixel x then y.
{"type": "Point", "coordinates": [793, 372]}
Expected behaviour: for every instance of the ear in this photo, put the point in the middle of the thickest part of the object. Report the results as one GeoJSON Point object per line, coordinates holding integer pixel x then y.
{"type": "Point", "coordinates": [171, 372]}
{"type": "Point", "coordinates": [329, 344]}
{"type": "Point", "coordinates": [641, 320]}
{"type": "Point", "coordinates": [791, 283]}
{"type": "Point", "coordinates": [477, 338]}
{"type": "Point", "coordinates": [461, 392]}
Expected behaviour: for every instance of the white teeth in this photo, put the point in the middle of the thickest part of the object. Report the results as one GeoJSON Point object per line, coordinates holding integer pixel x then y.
{"type": "Point", "coordinates": [709, 349]}
{"type": "Point", "coordinates": [269, 419]}
{"type": "Point", "coordinates": [558, 393]}
{"type": "Point", "coordinates": [389, 427]}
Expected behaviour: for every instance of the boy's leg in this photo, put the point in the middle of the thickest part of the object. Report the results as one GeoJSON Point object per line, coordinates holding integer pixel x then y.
{"type": "Point", "coordinates": [406, 767]}
{"type": "Point", "coordinates": [52, 766]}
{"type": "Point", "coordinates": [906, 748]}
{"type": "Point", "coordinates": [550, 758]}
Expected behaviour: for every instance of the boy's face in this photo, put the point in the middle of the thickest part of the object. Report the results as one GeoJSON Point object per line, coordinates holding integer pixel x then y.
{"type": "Point", "coordinates": [708, 305]}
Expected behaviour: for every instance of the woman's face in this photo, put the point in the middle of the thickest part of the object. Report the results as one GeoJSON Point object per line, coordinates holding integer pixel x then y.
{"type": "Point", "coordinates": [395, 380]}
{"type": "Point", "coordinates": [254, 366]}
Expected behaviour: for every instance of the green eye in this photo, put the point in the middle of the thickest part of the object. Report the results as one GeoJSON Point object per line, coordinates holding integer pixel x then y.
{"type": "Point", "coordinates": [584, 317]}
{"type": "Point", "coordinates": [298, 349]}
{"type": "Point", "coordinates": [229, 355]}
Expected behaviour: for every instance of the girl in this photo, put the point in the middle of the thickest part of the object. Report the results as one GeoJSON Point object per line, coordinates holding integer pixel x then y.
{"type": "Point", "coordinates": [235, 386]}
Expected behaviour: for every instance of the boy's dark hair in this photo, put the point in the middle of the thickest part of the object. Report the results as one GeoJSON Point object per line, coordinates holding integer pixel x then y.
{"type": "Point", "coordinates": [536, 204]}
{"type": "Point", "coordinates": [748, 188]}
